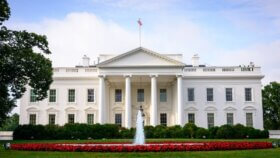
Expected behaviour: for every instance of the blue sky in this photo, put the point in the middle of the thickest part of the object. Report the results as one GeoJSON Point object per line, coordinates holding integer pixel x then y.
{"type": "Point", "coordinates": [222, 32]}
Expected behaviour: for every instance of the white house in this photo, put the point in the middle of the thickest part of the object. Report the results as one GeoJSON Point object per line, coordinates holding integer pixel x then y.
{"type": "Point", "coordinates": [170, 92]}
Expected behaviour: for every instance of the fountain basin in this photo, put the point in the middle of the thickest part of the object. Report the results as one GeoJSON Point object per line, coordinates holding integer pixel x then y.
{"type": "Point", "coordinates": [148, 147]}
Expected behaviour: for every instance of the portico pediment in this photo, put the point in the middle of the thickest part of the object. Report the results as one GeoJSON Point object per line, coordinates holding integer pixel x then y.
{"type": "Point", "coordinates": [141, 57]}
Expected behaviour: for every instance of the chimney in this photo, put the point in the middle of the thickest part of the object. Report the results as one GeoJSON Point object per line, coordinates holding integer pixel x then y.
{"type": "Point", "coordinates": [195, 60]}
{"type": "Point", "coordinates": [85, 61]}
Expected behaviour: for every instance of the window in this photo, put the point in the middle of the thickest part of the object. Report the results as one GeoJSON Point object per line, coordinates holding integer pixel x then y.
{"type": "Point", "coordinates": [118, 119]}
{"type": "Point", "coordinates": [118, 95]}
{"type": "Point", "coordinates": [210, 95]}
{"type": "Point", "coordinates": [248, 94]}
{"type": "Point", "coordinates": [162, 95]}
{"type": "Point", "coordinates": [230, 118]}
{"type": "Point", "coordinates": [191, 118]}
{"type": "Point", "coordinates": [51, 119]}
{"type": "Point", "coordinates": [163, 119]}
{"type": "Point", "coordinates": [210, 120]}
{"type": "Point", "coordinates": [140, 95]}
{"type": "Point", "coordinates": [32, 96]}
{"type": "Point", "coordinates": [190, 94]}
{"type": "Point", "coordinates": [32, 119]}
{"type": "Point", "coordinates": [71, 118]}
{"type": "Point", "coordinates": [90, 119]}
{"type": "Point", "coordinates": [90, 93]}
{"type": "Point", "coordinates": [249, 119]}
{"type": "Point", "coordinates": [71, 95]}
{"type": "Point", "coordinates": [52, 97]}
{"type": "Point", "coordinates": [228, 94]}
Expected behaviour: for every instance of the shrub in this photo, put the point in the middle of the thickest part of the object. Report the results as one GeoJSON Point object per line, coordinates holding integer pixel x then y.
{"type": "Point", "coordinates": [174, 132]}
{"type": "Point", "coordinates": [149, 131]}
{"type": "Point", "coordinates": [213, 132]}
{"type": "Point", "coordinates": [225, 132]}
{"type": "Point", "coordinates": [160, 131]}
{"type": "Point", "coordinates": [201, 133]}
{"type": "Point", "coordinates": [127, 133]}
{"type": "Point", "coordinates": [189, 130]}
{"type": "Point", "coordinates": [240, 131]}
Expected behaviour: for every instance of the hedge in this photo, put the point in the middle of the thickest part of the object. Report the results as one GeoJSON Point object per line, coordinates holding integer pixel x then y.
{"type": "Point", "coordinates": [109, 131]}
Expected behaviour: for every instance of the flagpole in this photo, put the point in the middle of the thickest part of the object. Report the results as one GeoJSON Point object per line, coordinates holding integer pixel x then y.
{"type": "Point", "coordinates": [140, 35]}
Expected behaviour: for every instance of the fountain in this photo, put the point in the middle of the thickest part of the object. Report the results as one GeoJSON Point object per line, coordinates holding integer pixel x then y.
{"type": "Point", "coordinates": [139, 136]}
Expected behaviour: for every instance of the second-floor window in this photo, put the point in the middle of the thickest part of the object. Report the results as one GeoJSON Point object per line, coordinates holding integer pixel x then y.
{"type": "Point", "coordinates": [228, 94]}
{"type": "Point", "coordinates": [162, 95]}
{"type": "Point", "coordinates": [90, 93]}
{"type": "Point", "coordinates": [140, 95]}
{"type": "Point", "coordinates": [71, 95]}
{"type": "Point", "coordinates": [118, 95]}
{"type": "Point", "coordinates": [52, 97]}
{"type": "Point", "coordinates": [210, 94]}
{"type": "Point", "coordinates": [248, 94]}
{"type": "Point", "coordinates": [32, 96]}
{"type": "Point", "coordinates": [190, 94]}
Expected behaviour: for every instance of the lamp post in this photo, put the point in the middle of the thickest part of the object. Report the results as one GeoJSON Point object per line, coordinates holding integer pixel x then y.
{"type": "Point", "coordinates": [142, 112]}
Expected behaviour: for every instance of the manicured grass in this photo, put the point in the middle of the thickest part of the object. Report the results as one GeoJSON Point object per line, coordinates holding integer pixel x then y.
{"type": "Point", "coordinates": [267, 153]}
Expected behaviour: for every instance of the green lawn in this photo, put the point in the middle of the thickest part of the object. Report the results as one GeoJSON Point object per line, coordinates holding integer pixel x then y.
{"type": "Point", "coordinates": [266, 153]}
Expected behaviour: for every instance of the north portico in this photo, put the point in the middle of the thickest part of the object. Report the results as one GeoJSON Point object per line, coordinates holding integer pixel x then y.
{"type": "Point", "coordinates": [147, 71]}
{"type": "Point", "coordinates": [169, 91]}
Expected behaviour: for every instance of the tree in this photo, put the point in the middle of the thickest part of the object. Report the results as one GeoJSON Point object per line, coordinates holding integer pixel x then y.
{"type": "Point", "coordinates": [10, 123]}
{"type": "Point", "coordinates": [21, 65]}
{"type": "Point", "coordinates": [271, 105]}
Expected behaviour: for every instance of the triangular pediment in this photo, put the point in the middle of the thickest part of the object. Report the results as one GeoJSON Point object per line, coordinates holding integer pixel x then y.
{"type": "Point", "coordinates": [140, 57]}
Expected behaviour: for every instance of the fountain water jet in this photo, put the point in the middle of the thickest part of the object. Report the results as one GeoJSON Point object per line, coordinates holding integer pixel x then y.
{"type": "Point", "coordinates": [139, 136]}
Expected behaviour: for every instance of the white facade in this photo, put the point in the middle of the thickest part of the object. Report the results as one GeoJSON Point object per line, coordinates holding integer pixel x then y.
{"type": "Point", "coordinates": [169, 91]}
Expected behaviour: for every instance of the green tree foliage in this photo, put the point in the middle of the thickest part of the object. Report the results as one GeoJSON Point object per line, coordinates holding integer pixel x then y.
{"type": "Point", "coordinates": [20, 64]}
{"type": "Point", "coordinates": [11, 123]}
{"type": "Point", "coordinates": [271, 105]}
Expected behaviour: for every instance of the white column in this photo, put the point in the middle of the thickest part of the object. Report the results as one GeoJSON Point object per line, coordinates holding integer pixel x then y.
{"type": "Point", "coordinates": [180, 100]}
{"type": "Point", "coordinates": [127, 102]}
{"type": "Point", "coordinates": [153, 100]}
{"type": "Point", "coordinates": [101, 106]}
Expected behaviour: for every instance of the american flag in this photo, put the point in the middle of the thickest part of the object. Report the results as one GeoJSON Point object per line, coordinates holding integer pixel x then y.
{"type": "Point", "coordinates": [139, 22]}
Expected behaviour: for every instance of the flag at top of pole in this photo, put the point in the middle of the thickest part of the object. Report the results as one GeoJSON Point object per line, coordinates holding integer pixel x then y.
{"type": "Point", "coordinates": [140, 24]}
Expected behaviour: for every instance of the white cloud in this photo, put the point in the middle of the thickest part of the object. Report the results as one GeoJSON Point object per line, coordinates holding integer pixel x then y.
{"type": "Point", "coordinates": [84, 33]}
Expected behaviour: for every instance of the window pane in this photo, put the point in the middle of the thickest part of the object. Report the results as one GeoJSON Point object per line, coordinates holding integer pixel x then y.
{"type": "Point", "coordinates": [90, 119]}
{"type": "Point", "coordinates": [140, 95]}
{"type": "Point", "coordinates": [52, 97]}
{"type": "Point", "coordinates": [249, 119]}
{"type": "Point", "coordinates": [118, 119]}
{"type": "Point", "coordinates": [248, 94]}
{"type": "Point", "coordinates": [51, 119]}
{"type": "Point", "coordinates": [71, 118]}
{"type": "Point", "coordinates": [228, 94]}
{"type": "Point", "coordinates": [190, 94]}
{"type": "Point", "coordinates": [32, 96]}
{"type": "Point", "coordinates": [191, 118]}
{"type": "Point", "coordinates": [118, 95]}
{"type": "Point", "coordinates": [210, 119]}
{"type": "Point", "coordinates": [90, 95]}
{"type": "Point", "coordinates": [210, 94]}
{"type": "Point", "coordinates": [163, 95]}
{"type": "Point", "coordinates": [230, 118]}
{"type": "Point", "coordinates": [71, 95]}
{"type": "Point", "coordinates": [163, 119]}
{"type": "Point", "coordinates": [32, 119]}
